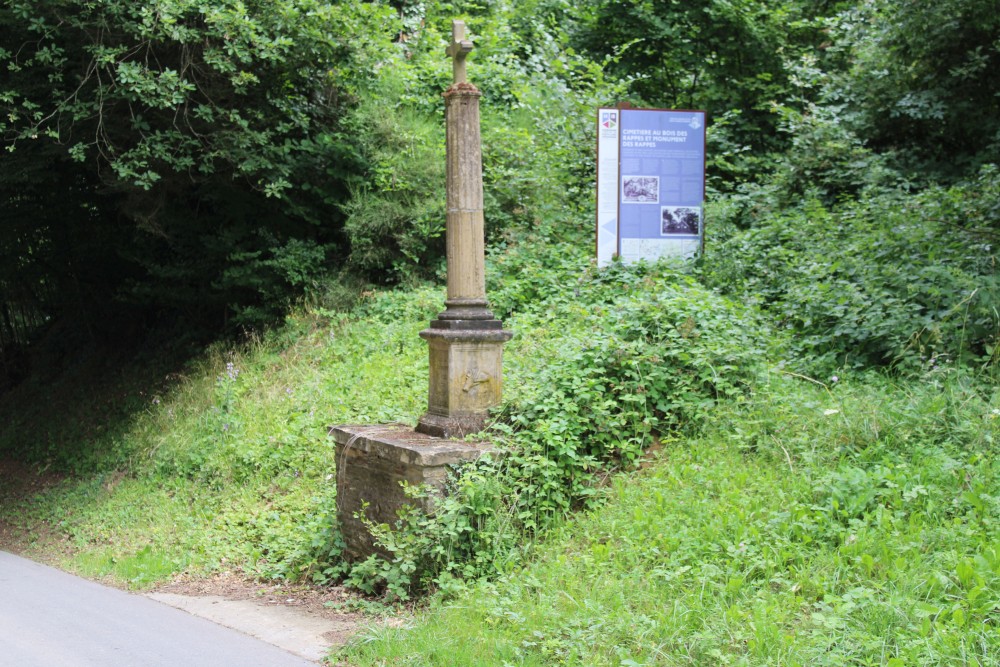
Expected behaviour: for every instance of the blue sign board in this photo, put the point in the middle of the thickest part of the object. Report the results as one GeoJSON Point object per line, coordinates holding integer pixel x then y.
{"type": "Point", "coordinates": [661, 183]}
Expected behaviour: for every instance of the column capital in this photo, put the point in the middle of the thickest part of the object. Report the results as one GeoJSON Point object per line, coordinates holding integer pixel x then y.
{"type": "Point", "coordinates": [462, 89]}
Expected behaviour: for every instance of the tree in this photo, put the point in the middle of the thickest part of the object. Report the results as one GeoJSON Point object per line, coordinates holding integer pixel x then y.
{"type": "Point", "coordinates": [728, 57]}
{"type": "Point", "coordinates": [923, 83]}
{"type": "Point", "coordinates": [198, 142]}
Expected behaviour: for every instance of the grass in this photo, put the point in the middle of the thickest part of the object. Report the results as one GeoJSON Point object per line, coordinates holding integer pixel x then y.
{"type": "Point", "coordinates": [806, 522]}
{"type": "Point", "coordinates": [848, 525]}
{"type": "Point", "coordinates": [231, 467]}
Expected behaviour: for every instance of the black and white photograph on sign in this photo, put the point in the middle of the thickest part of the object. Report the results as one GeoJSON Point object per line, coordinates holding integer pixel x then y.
{"type": "Point", "coordinates": [679, 220]}
{"type": "Point", "coordinates": [640, 189]}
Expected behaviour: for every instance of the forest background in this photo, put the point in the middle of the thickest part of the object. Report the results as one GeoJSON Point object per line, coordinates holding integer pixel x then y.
{"type": "Point", "coordinates": [269, 175]}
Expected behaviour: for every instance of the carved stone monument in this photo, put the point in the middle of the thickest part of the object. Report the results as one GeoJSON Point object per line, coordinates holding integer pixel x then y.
{"type": "Point", "coordinates": [466, 340]}
{"type": "Point", "coordinates": [465, 345]}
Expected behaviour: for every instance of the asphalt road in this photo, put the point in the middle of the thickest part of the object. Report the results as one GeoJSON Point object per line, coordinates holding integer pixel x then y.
{"type": "Point", "coordinates": [52, 619]}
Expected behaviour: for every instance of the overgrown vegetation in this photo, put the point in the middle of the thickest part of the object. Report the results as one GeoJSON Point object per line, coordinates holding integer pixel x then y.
{"type": "Point", "coordinates": [595, 373]}
{"type": "Point", "coordinates": [813, 402]}
{"type": "Point", "coordinates": [194, 151]}
{"type": "Point", "coordinates": [888, 279]}
{"type": "Point", "coordinates": [851, 523]}
{"type": "Point", "coordinates": [228, 465]}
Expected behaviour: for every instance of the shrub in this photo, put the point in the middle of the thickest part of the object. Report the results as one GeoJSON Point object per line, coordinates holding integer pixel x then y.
{"type": "Point", "coordinates": [194, 148]}
{"type": "Point", "coordinates": [597, 372]}
{"type": "Point", "coordinates": [891, 279]}
{"type": "Point", "coordinates": [396, 217]}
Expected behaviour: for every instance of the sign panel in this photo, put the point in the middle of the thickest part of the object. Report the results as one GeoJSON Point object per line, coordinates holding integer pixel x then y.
{"type": "Point", "coordinates": [608, 124]}
{"type": "Point", "coordinates": [660, 185]}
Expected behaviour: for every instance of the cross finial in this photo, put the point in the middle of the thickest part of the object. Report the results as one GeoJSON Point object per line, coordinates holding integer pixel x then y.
{"type": "Point", "coordinates": [458, 49]}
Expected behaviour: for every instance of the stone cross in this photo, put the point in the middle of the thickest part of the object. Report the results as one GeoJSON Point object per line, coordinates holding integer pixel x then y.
{"type": "Point", "coordinates": [465, 341]}
{"type": "Point", "coordinates": [465, 346]}
{"type": "Point", "coordinates": [458, 49]}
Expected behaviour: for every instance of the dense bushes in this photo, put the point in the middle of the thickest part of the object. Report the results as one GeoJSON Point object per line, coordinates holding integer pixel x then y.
{"type": "Point", "coordinates": [922, 82]}
{"type": "Point", "coordinates": [730, 58]}
{"type": "Point", "coordinates": [194, 147]}
{"type": "Point", "coordinates": [889, 279]}
{"type": "Point", "coordinates": [598, 371]}
{"type": "Point", "coordinates": [395, 218]}
{"type": "Point", "coordinates": [604, 368]}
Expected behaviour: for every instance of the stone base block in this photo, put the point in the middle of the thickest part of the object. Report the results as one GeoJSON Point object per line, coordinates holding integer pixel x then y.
{"type": "Point", "coordinates": [372, 463]}
{"type": "Point", "coordinates": [466, 375]}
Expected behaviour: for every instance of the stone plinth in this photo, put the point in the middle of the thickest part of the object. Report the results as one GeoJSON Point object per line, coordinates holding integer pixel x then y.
{"type": "Point", "coordinates": [373, 461]}
{"type": "Point", "coordinates": [465, 380]}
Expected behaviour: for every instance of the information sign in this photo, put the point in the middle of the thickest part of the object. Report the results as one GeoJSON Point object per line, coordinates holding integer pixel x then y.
{"type": "Point", "coordinates": [650, 183]}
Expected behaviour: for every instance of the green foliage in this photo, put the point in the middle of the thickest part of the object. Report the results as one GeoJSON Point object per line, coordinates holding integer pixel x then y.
{"type": "Point", "coordinates": [826, 160]}
{"type": "Point", "coordinates": [806, 525]}
{"type": "Point", "coordinates": [552, 255]}
{"type": "Point", "coordinates": [396, 218]}
{"type": "Point", "coordinates": [639, 352]}
{"type": "Point", "coordinates": [729, 58]}
{"type": "Point", "coordinates": [227, 464]}
{"type": "Point", "coordinates": [194, 151]}
{"type": "Point", "coordinates": [923, 82]}
{"type": "Point", "coordinates": [598, 370]}
{"type": "Point", "coordinates": [538, 98]}
{"type": "Point", "coordinates": [889, 279]}
{"type": "Point", "coordinates": [182, 87]}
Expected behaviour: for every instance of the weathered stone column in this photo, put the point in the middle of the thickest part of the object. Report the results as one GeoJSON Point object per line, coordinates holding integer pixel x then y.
{"type": "Point", "coordinates": [465, 345]}
{"type": "Point", "coordinates": [465, 341]}
{"type": "Point", "coordinates": [465, 224]}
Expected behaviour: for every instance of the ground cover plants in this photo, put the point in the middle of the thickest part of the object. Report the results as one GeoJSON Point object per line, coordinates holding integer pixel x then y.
{"type": "Point", "coordinates": [788, 520]}
{"type": "Point", "coordinates": [596, 371]}
{"type": "Point", "coordinates": [229, 466]}
{"type": "Point", "coordinates": [233, 466]}
{"type": "Point", "coordinates": [844, 522]}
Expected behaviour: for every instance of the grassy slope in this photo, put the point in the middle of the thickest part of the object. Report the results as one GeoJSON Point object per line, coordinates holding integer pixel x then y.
{"type": "Point", "coordinates": [807, 526]}
{"type": "Point", "coordinates": [855, 524]}
{"type": "Point", "coordinates": [232, 467]}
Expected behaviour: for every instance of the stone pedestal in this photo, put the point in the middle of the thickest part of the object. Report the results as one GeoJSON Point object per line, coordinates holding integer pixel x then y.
{"type": "Point", "coordinates": [465, 344]}
{"type": "Point", "coordinates": [465, 379]}
{"type": "Point", "coordinates": [372, 463]}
